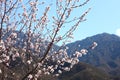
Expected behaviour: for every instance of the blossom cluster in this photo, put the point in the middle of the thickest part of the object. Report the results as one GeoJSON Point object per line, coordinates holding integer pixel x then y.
{"type": "Point", "coordinates": [54, 63]}
{"type": "Point", "coordinates": [28, 35]}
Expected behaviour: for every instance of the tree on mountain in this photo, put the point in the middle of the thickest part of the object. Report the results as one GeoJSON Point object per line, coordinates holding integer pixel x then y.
{"type": "Point", "coordinates": [29, 34]}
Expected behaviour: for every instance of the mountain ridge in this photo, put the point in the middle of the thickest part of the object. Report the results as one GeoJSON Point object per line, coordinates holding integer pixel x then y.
{"type": "Point", "coordinates": [105, 56]}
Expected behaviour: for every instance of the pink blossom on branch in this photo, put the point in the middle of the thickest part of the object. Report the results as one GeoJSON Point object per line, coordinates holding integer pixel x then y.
{"type": "Point", "coordinates": [35, 32]}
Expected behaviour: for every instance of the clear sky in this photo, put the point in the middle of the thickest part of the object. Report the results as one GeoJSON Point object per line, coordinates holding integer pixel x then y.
{"type": "Point", "coordinates": [103, 17]}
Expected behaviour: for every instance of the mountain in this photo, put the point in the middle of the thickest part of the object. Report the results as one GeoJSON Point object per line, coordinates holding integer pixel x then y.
{"type": "Point", "coordinates": [106, 56]}
{"type": "Point", "coordinates": [83, 71]}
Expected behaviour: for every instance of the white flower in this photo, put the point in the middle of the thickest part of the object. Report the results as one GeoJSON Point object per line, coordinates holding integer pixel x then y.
{"type": "Point", "coordinates": [66, 69]}
{"type": "Point", "coordinates": [47, 73]}
{"type": "Point", "coordinates": [31, 45]}
{"type": "Point", "coordinates": [63, 59]}
{"type": "Point", "coordinates": [13, 35]}
{"type": "Point", "coordinates": [50, 67]}
{"type": "Point", "coordinates": [7, 64]}
{"type": "Point", "coordinates": [13, 73]}
{"type": "Point", "coordinates": [59, 71]}
{"type": "Point", "coordinates": [0, 71]}
{"type": "Point", "coordinates": [44, 69]}
{"type": "Point", "coordinates": [94, 45]}
{"type": "Point", "coordinates": [78, 54]}
{"type": "Point", "coordinates": [78, 45]}
{"type": "Point", "coordinates": [25, 14]}
{"type": "Point", "coordinates": [13, 57]}
{"type": "Point", "coordinates": [84, 51]}
{"type": "Point", "coordinates": [56, 66]}
{"type": "Point", "coordinates": [58, 61]}
{"type": "Point", "coordinates": [76, 60]}
{"type": "Point", "coordinates": [29, 62]}
{"type": "Point", "coordinates": [33, 3]}
{"type": "Point", "coordinates": [71, 66]}
{"type": "Point", "coordinates": [4, 55]}
{"type": "Point", "coordinates": [7, 58]}
{"type": "Point", "coordinates": [35, 79]}
{"type": "Point", "coordinates": [0, 61]}
{"type": "Point", "coordinates": [39, 72]}
{"type": "Point", "coordinates": [56, 74]}
{"type": "Point", "coordinates": [67, 47]}
{"type": "Point", "coordinates": [70, 35]}
{"type": "Point", "coordinates": [39, 64]}
{"type": "Point", "coordinates": [30, 76]}
{"type": "Point", "coordinates": [17, 54]}
{"type": "Point", "coordinates": [69, 60]}
{"type": "Point", "coordinates": [52, 70]}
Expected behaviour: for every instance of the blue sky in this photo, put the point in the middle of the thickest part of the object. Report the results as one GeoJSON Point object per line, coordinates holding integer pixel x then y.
{"type": "Point", "coordinates": [103, 17]}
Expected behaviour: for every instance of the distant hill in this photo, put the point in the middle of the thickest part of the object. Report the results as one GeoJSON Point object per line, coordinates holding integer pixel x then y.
{"type": "Point", "coordinates": [103, 61]}
{"type": "Point", "coordinates": [84, 71]}
{"type": "Point", "coordinates": [105, 56]}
